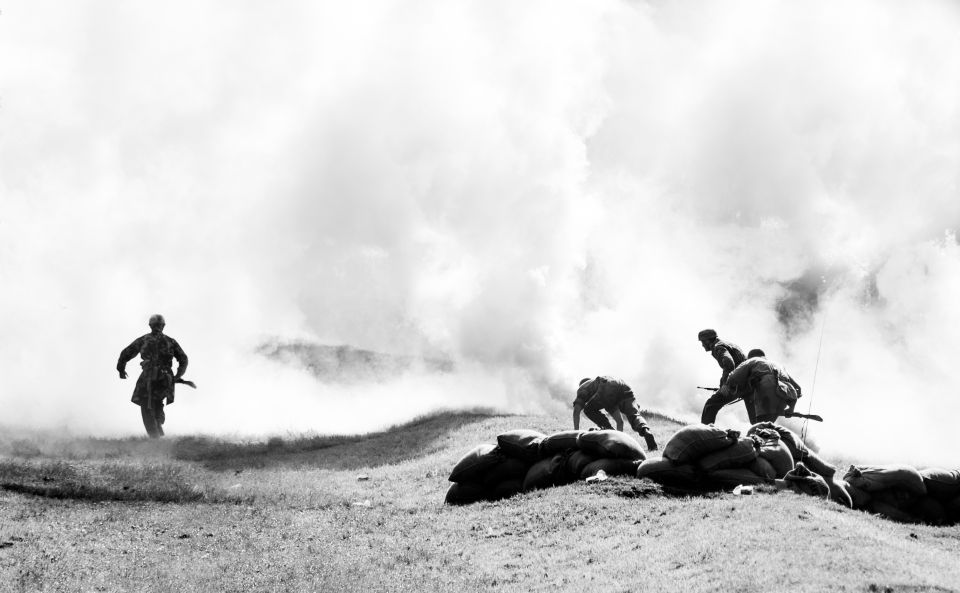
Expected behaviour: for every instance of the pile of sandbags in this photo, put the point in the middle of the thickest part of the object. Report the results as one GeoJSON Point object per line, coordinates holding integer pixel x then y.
{"type": "Point", "coordinates": [903, 493]}
{"type": "Point", "coordinates": [524, 460]}
{"type": "Point", "coordinates": [800, 480]}
{"type": "Point", "coordinates": [704, 456]}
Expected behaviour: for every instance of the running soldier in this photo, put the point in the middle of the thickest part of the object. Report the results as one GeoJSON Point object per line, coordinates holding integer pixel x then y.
{"type": "Point", "coordinates": [728, 355]}
{"type": "Point", "coordinates": [156, 382]}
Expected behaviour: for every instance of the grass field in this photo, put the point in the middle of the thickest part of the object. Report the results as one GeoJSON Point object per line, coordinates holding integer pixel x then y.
{"type": "Point", "coordinates": [366, 513]}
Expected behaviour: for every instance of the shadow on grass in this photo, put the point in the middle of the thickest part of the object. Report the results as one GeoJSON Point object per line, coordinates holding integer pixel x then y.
{"type": "Point", "coordinates": [396, 444]}
{"type": "Point", "coordinates": [108, 482]}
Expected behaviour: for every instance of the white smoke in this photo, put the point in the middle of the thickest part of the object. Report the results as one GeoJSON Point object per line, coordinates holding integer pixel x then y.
{"type": "Point", "coordinates": [538, 191]}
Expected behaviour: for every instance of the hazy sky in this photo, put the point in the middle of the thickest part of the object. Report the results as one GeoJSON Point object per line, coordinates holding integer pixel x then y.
{"type": "Point", "coordinates": [538, 190]}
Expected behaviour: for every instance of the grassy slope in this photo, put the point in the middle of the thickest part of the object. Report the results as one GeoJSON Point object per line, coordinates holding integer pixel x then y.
{"type": "Point", "coordinates": [196, 514]}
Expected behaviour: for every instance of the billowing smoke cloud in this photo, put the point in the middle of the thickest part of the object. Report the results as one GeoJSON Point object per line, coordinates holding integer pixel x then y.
{"type": "Point", "coordinates": [536, 192]}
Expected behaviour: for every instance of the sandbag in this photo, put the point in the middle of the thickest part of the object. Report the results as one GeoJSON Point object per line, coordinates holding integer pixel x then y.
{"type": "Point", "coordinates": [731, 478]}
{"type": "Point", "coordinates": [952, 508]}
{"type": "Point", "coordinates": [521, 443]}
{"type": "Point", "coordinates": [612, 467]}
{"type": "Point", "coordinates": [798, 449]}
{"type": "Point", "coordinates": [543, 473]}
{"type": "Point", "coordinates": [928, 509]}
{"type": "Point", "coordinates": [740, 454]}
{"type": "Point", "coordinates": [473, 466]}
{"type": "Point", "coordinates": [900, 498]}
{"type": "Point", "coordinates": [839, 493]}
{"type": "Point", "coordinates": [942, 484]}
{"type": "Point", "coordinates": [577, 461]}
{"type": "Point", "coordinates": [800, 479]}
{"type": "Point", "coordinates": [860, 498]}
{"type": "Point", "coordinates": [564, 475]}
{"type": "Point", "coordinates": [669, 473]}
{"type": "Point", "coordinates": [762, 467]}
{"type": "Point", "coordinates": [610, 444]}
{"type": "Point", "coordinates": [510, 468]}
{"type": "Point", "coordinates": [506, 489]}
{"type": "Point", "coordinates": [891, 512]}
{"type": "Point", "coordinates": [817, 464]}
{"type": "Point", "coordinates": [778, 454]}
{"type": "Point", "coordinates": [692, 442]}
{"type": "Point", "coordinates": [465, 493]}
{"type": "Point", "coordinates": [882, 477]}
{"type": "Point", "coordinates": [559, 442]}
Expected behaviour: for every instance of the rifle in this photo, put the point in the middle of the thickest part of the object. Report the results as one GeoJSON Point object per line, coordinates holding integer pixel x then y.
{"type": "Point", "coordinates": [185, 382]}
{"type": "Point", "coordinates": [814, 417]}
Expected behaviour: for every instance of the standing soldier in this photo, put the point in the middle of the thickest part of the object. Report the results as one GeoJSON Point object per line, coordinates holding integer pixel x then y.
{"type": "Point", "coordinates": [728, 355]}
{"type": "Point", "coordinates": [615, 397]}
{"type": "Point", "coordinates": [771, 388]}
{"type": "Point", "coordinates": [156, 380]}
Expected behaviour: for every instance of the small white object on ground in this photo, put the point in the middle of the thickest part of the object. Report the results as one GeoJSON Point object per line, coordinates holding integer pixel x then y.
{"type": "Point", "coordinates": [600, 476]}
{"type": "Point", "coordinates": [743, 490]}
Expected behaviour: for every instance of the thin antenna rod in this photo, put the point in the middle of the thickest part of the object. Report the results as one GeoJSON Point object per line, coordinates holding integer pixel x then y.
{"type": "Point", "coordinates": [816, 366]}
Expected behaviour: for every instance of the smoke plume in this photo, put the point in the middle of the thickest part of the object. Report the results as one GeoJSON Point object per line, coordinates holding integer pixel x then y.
{"type": "Point", "coordinates": [535, 192]}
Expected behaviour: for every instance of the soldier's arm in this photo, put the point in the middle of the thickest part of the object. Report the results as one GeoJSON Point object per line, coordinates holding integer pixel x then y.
{"type": "Point", "coordinates": [127, 354]}
{"type": "Point", "coordinates": [577, 408]}
{"type": "Point", "coordinates": [726, 363]}
{"type": "Point", "coordinates": [792, 382]}
{"type": "Point", "coordinates": [181, 357]}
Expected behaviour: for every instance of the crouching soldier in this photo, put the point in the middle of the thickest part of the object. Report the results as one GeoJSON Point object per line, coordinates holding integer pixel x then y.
{"type": "Point", "coordinates": [773, 391]}
{"type": "Point", "coordinates": [615, 397]}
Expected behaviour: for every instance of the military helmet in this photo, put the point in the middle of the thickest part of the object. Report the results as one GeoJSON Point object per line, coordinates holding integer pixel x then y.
{"type": "Point", "coordinates": [156, 320]}
{"type": "Point", "coordinates": [584, 380]}
{"type": "Point", "coordinates": [707, 334]}
{"type": "Point", "coordinates": [755, 353]}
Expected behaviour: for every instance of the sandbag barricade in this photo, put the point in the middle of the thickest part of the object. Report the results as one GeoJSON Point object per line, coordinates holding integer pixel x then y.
{"type": "Point", "coordinates": [798, 449]}
{"type": "Point", "coordinates": [705, 457]}
{"type": "Point", "coordinates": [525, 460]}
{"type": "Point", "coordinates": [907, 495]}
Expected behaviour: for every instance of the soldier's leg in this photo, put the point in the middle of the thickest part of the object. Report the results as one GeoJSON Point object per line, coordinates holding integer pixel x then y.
{"type": "Point", "coordinates": [628, 408]}
{"type": "Point", "coordinates": [149, 421]}
{"type": "Point", "coordinates": [160, 416]}
{"type": "Point", "coordinates": [767, 404]}
{"type": "Point", "coordinates": [596, 415]}
{"type": "Point", "coordinates": [637, 422]}
{"type": "Point", "coordinates": [713, 406]}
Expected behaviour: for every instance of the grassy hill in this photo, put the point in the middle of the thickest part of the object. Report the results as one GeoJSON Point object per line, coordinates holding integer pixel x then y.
{"type": "Point", "coordinates": [366, 513]}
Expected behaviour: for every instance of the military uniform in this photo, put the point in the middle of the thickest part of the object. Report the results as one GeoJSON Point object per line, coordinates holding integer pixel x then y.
{"type": "Point", "coordinates": [728, 355]}
{"type": "Point", "coordinates": [156, 381]}
{"type": "Point", "coordinates": [769, 385]}
{"type": "Point", "coordinates": [610, 395]}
